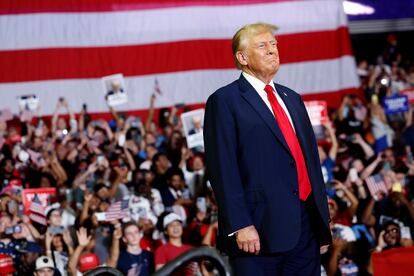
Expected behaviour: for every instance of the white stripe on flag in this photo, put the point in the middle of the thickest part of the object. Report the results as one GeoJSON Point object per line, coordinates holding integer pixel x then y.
{"type": "Point", "coordinates": [53, 30]}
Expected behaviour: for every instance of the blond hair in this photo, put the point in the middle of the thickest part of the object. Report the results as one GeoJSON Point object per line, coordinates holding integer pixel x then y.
{"type": "Point", "coordinates": [239, 39]}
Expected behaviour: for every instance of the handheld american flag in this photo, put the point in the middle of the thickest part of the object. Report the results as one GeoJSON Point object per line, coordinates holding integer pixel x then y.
{"type": "Point", "coordinates": [376, 184]}
{"type": "Point", "coordinates": [117, 210]}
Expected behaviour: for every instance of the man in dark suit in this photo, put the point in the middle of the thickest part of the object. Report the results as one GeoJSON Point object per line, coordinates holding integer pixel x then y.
{"type": "Point", "coordinates": [264, 167]}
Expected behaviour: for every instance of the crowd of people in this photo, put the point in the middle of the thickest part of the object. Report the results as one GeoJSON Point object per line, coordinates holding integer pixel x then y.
{"type": "Point", "coordinates": [367, 164]}
{"type": "Point", "coordinates": [131, 195]}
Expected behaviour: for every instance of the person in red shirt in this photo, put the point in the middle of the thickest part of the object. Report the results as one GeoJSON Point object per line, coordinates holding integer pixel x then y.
{"type": "Point", "coordinates": [173, 229]}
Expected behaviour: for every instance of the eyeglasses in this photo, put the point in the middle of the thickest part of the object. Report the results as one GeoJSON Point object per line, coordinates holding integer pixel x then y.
{"type": "Point", "coordinates": [392, 230]}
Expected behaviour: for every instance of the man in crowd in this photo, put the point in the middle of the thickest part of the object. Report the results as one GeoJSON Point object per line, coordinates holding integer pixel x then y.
{"type": "Point", "coordinates": [44, 266]}
{"type": "Point", "coordinates": [264, 167]}
{"type": "Point", "coordinates": [173, 229]}
{"type": "Point", "coordinates": [133, 260]}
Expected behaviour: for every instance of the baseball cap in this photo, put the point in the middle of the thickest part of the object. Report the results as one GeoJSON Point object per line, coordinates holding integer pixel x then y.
{"type": "Point", "coordinates": [88, 261]}
{"type": "Point", "coordinates": [6, 264]}
{"type": "Point", "coordinates": [170, 218]}
{"type": "Point", "coordinates": [49, 209]}
{"type": "Point", "coordinates": [43, 262]}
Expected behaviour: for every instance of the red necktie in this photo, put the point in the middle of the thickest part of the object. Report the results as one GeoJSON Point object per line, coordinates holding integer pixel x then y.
{"type": "Point", "coordinates": [293, 143]}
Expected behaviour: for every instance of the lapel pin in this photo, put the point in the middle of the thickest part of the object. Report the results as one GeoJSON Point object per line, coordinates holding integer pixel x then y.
{"type": "Point", "coordinates": [284, 94]}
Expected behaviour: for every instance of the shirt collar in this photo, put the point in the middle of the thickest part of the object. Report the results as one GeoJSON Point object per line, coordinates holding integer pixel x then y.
{"type": "Point", "coordinates": [257, 84]}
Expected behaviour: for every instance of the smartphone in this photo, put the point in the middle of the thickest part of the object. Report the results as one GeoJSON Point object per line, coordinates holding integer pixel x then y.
{"type": "Point", "coordinates": [121, 140]}
{"type": "Point", "coordinates": [100, 159]}
{"type": "Point", "coordinates": [54, 230]}
{"type": "Point", "coordinates": [405, 232]}
{"type": "Point", "coordinates": [13, 229]}
{"type": "Point", "coordinates": [353, 175]}
{"type": "Point", "coordinates": [9, 230]}
{"type": "Point", "coordinates": [17, 228]}
{"type": "Point", "coordinates": [101, 216]}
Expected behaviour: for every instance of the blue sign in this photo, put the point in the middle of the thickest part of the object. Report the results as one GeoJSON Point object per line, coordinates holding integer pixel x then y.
{"type": "Point", "coordinates": [384, 9]}
{"type": "Point", "coordinates": [395, 104]}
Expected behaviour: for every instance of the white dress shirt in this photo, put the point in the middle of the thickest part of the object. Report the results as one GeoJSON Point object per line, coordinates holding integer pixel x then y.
{"type": "Point", "coordinates": [259, 86]}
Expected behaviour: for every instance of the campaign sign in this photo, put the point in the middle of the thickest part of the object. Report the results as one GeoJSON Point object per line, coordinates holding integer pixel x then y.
{"type": "Point", "coordinates": [409, 92]}
{"type": "Point", "coordinates": [114, 87]}
{"type": "Point", "coordinates": [318, 115]}
{"type": "Point", "coordinates": [44, 195]}
{"type": "Point", "coordinates": [395, 104]}
{"type": "Point", "coordinates": [28, 102]}
{"type": "Point", "coordinates": [317, 111]}
{"type": "Point", "coordinates": [193, 128]}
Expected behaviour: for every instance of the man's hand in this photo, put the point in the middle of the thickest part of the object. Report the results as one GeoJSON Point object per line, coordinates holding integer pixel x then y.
{"type": "Point", "coordinates": [248, 240]}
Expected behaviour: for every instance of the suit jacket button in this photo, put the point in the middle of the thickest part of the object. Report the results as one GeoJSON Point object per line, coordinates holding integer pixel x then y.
{"type": "Point", "coordinates": [295, 192]}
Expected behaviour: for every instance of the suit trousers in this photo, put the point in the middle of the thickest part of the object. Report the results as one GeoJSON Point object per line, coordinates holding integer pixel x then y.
{"type": "Point", "coordinates": [303, 259]}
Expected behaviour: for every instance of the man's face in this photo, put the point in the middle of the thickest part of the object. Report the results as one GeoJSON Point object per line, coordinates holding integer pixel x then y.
{"type": "Point", "coordinates": [103, 193]}
{"type": "Point", "coordinates": [132, 236]}
{"type": "Point", "coordinates": [55, 218]}
{"type": "Point", "coordinates": [262, 56]}
{"type": "Point", "coordinates": [392, 235]}
{"type": "Point", "coordinates": [47, 271]}
{"type": "Point", "coordinates": [176, 182]}
{"type": "Point", "coordinates": [164, 162]}
{"type": "Point", "coordinates": [389, 156]}
{"type": "Point", "coordinates": [174, 229]}
{"type": "Point", "coordinates": [198, 163]}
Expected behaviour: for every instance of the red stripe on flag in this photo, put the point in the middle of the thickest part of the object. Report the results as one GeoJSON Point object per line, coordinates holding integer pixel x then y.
{"type": "Point", "coordinates": [95, 62]}
{"type": "Point", "coordinates": [21, 7]}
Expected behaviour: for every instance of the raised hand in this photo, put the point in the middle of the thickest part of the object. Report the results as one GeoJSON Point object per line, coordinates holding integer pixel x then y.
{"type": "Point", "coordinates": [83, 238]}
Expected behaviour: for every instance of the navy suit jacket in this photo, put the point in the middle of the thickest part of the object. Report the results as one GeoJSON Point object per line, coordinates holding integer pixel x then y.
{"type": "Point", "coordinates": [252, 171]}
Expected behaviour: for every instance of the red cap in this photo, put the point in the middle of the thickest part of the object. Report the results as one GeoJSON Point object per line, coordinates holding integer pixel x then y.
{"type": "Point", "coordinates": [88, 261]}
{"type": "Point", "coordinates": [15, 138]}
{"type": "Point", "coordinates": [6, 264]}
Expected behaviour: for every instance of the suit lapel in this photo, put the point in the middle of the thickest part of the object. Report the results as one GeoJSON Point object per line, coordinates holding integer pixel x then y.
{"type": "Point", "coordinates": [251, 96]}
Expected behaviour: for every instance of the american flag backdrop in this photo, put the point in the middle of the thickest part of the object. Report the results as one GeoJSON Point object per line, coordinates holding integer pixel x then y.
{"type": "Point", "coordinates": [62, 48]}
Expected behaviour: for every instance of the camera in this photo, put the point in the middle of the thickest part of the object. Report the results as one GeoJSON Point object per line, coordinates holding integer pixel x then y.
{"type": "Point", "coordinates": [13, 229]}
